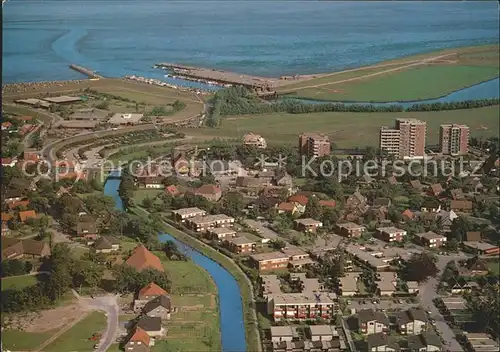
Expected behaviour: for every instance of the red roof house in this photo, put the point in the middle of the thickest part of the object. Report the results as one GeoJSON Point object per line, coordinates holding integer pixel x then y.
{"type": "Point", "coordinates": [26, 215]}
{"type": "Point", "coordinates": [172, 190]}
{"type": "Point", "coordinates": [142, 259]}
{"type": "Point", "coordinates": [300, 199]}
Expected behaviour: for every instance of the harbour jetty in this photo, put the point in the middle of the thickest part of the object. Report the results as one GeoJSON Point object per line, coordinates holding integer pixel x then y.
{"type": "Point", "coordinates": [218, 77]}
{"type": "Point", "coordinates": [89, 73]}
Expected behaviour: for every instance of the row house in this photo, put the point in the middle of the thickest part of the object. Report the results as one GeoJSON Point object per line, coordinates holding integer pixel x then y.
{"type": "Point", "coordinates": [240, 244]}
{"type": "Point", "coordinates": [350, 229]}
{"type": "Point", "coordinates": [431, 239]}
{"type": "Point", "coordinates": [390, 234]}
{"type": "Point", "coordinates": [183, 214]}
{"type": "Point", "coordinates": [379, 342]}
{"type": "Point", "coordinates": [204, 223]}
{"type": "Point", "coordinates": [307, 225]}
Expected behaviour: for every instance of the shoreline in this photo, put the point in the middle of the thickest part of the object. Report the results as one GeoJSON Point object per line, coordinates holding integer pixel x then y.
{"type": "Point", "coordinates": [302, 76]}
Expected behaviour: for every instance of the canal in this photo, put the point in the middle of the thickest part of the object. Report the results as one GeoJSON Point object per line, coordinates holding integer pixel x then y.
{"type": "Point", "coordinates": [229, 296]}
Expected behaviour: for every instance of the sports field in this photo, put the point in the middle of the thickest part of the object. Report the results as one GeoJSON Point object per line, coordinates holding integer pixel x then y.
{"type": "Point", "coordinates": [349, 129]}
{"type": "Point", "coordinates": [414, 78]}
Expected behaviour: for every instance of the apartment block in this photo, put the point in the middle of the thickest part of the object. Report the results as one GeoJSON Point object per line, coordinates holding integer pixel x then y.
{"type": "Point", "coordinates": [204, 223]}
{"type": "Point", "coordinates": [350, 229]}
{"type": "Point", "coordinates": [240, 244]}
{"type": "Point", "coordinates": [454, 139]}
{"type": "Point", "coordinates": [406, 140]}
{"type": "Point", "coordinates": [269, 261]}
{"type": "Point", "coordinates": [390, 234]}
{"type": "Point", "coordinates": [311, 303]}
{"type": "Point", "coordinates": [431, 239]}
{"type": "Point", "coordinates": [187, 213]}
{"type": "Point", "coordinates": [307, 225]}
{"type": "Point", "coordinates": [314, 145]}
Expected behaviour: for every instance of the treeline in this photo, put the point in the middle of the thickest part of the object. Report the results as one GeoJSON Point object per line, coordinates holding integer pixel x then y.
{"type": "Point", "coordinates": [240, 101]}
{"type": "Point", "coordinates": [15, 267]}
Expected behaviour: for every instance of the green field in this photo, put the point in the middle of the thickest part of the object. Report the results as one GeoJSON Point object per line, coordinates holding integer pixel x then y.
{"type": "Point", "coordinates": [77, 338]}
{"type": "Point", "coordinates": [18, 282]}
{"type": "Point", "coordinates": [15, 340]}
{"type": "Point", "coordinates": [195, 327]}
{"type": "Point", "coordinates": [407, 78]}
{"type": "Point", "coordinates": [141, 194]}
{"type": "Point", "coordinates": [416, 83]}
{"type": "Point", "coordinates": [494, 267]}
{"type": "Point", "coordinates": [350, 129]}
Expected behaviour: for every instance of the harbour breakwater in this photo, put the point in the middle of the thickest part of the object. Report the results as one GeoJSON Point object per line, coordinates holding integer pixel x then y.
{"type": "Point", "coordinates": [85, 71]}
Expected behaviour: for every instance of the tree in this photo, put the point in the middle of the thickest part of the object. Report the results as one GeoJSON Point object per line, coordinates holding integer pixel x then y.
{"type": "Point", "coordinates": [87, 274]}
{"type": "Point", "coordinates": [172, 252]}
{"type": "Point", "coordinates": [459, 228]}
{"type": "Point", "coordinates": [278, 244]}
{"type": "Point", "coordinates": [420, 267]}
{"type": "Point", "coordinates": [128, 279]}
{"type": "Point", "coordinates": [313, 208]}
{"type": "Point", "coordinates": [233, 204]}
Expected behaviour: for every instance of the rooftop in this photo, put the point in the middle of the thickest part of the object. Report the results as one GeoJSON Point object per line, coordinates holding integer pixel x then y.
{"type": "Point", "coordinates": [142, 259]}
{"type": "Point", "coordinates": [63, 99]}
{"type": "Point", "coordinates": [123, 119]}
{"type": "Point", "coordinates": [188, 211]}
{"type": "Point", "coordinates": [429, 235]}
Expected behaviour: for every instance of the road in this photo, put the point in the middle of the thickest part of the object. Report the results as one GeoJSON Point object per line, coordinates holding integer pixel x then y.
{"type": "Point", "coordinates": [109, 305]}
{"type": "Point", "coordinates": [428, 291]}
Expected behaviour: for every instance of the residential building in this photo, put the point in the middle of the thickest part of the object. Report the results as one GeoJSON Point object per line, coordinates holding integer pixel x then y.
{"type": "Point", "coordinates": [300, 202]}
{"type": "Point", "coordinates": [370, 321]}
{"type": "Point", "coordinates": [481, 342]}
{"type": "Point", "coordinates": [138, 341]}
{"type": "Point", "coordinates": [481, 247]}
{"type": "Point", "coordinates": [151, 325]}
{"type": "Point", "coordinates": [13, 248]}
{"type": "Point", "coordinates": [254, 140]}
{"type": "Point", "coordinates": [328, 203]}
{"type": "Point", "coordinates": [386, 283]}
{"type": "Point", "coordinates": [390, 234]}
{"type": "Point", "coordinates": [412, 321]}
{"type": "Point", "coordinates": [221, 233]}
{"type": "Point", "coordinates": [211, 192]}
{"type": "Point", "coordinates": [142, 259]}
{"type": "Point", "coordinates": [302, 306]}
{"type": "Point", "coordinates": [413, 286]}
{"type": "Point", "coordinates": [314, 145]}
{"type": "Point", "coordinates": [283, 333]}
{"type": "Point", "coordinates": [151, 182]}
{"type": "Point", "coordinates": [26, 215]}
{"type": "Point", "coordinates": [454, 139]}
{"type": "Point", "coordinates": [431, 239]}
{"type": "Point", "coordinates": [172, 191]}
{"type": "Point", "coordinates": [270, 261]}
{"type": "Point", "coordinates": [416, 185]}
{"type": "Point", "coordinates": [204, 223]}
{"type": "Point", "coordinates": [282, 178]}
{"type": "Point", "coordinates": [355, 206]}
{"type": "Point", "coordinates": [431, 206]}
{"type": "Point", "coordinates": [125, 119]}
{"type": "Point", "coordinates": [287, 207]}
{"type": "Point", "coordinates": [106, 244]}
{"type": "Point", "coordinates": [474, 267]}
{"type": "Point", "coordinates": [406, 140]}
{"type": "Point", "coordinates": [424, 342]}
{"type": "Point", "coordinates": [350, 229]}
{"type": "Point", "coordinates": [435, 189]}
{"type": "Point", "coordinates": [86, 228]}
{"type": "Point", "coordinates": [146, 294]}
{"type": "Point", "coordinates": [307, 225]}
{"type": "Point", "coordinates": [240, 244]}
{"type": "Point", "coordinates": [464, 206]}
{"type": "Point", "coordinates": [379, 342]}
{"type": "Point", "coordinates": [187, 213]}
{"type": "Point", "coordinates": [348, 285]}
{"type": "Point", "coordinates": [323, 332]}
{"type": "Point", "coordinates": [159, 307]}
